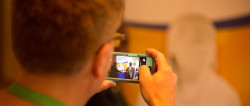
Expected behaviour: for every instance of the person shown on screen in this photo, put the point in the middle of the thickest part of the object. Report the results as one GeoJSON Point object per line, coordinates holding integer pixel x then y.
{"type": "Point", "coordinates": [135, 71]}
{"type": "Point", "coordinates": [120, 69]}
{"type": "Point", "coordinates": [64, 48]}
{"type": "Point", "coordinates": [113, 72]}
{"type": "Point", "coordinates": [131, 70]}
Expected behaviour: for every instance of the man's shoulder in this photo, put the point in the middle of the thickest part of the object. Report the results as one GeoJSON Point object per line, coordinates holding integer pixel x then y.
{"type": "Point", "coordinates": [7, 99]}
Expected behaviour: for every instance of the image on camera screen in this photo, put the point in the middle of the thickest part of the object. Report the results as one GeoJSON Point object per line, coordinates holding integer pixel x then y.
{"type": "Point", "coordinates": [126, 67]}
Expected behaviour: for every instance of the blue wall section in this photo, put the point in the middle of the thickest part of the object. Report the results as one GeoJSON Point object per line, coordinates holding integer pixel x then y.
{"type": "Point", "coordinates": [240, 21]}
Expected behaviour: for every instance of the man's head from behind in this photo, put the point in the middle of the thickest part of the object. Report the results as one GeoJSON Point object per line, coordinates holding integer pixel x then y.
{"type": "Point", "coordinates": [60, 36]}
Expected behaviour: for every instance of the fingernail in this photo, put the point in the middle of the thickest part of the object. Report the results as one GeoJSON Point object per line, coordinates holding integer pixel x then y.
{"type": "Point", "coordinates": [113, 84]}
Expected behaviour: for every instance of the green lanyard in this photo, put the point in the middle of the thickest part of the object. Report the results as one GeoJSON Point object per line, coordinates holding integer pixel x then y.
{"type": "Point", "coordinates": [32, 96]}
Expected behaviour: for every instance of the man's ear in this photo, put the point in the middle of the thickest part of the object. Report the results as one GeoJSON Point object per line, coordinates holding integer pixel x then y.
{"type": "Point", "coordinates": [102, 60]}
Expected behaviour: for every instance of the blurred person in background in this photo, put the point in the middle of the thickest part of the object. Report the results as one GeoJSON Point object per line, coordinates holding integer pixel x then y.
{"type": "Point", "coordinates": [192, 52]}
{"type": "Point", "coordinates": [64, 48]}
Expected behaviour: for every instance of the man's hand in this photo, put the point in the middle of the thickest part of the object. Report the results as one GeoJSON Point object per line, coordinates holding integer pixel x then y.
{"type": "Point", "coordinates": [105, 85]}
{"type": "Point", "coordinates": [158, 89]}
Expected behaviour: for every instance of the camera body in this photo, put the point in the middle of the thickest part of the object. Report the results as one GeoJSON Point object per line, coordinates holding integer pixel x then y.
{"type": "Point", "coordinates": [125, 66]}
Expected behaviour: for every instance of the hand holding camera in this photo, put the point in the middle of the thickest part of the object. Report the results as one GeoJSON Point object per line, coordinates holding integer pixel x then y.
{"type": "Point", "coordinates": [158, 89]}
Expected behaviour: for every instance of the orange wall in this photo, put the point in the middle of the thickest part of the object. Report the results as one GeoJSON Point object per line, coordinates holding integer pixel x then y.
{"type": "Point", "coordinates": [233, 57]}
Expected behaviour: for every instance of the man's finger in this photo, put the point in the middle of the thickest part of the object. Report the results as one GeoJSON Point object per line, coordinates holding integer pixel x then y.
{"type": "Point", "coordinates": [144, 73]}
{"type": "Point", "coordinates": [106, 84]}
{"type": "Point", "coordinates": [159, 57]}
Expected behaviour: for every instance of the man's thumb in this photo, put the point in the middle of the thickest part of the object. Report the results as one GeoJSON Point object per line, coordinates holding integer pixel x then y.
{"type": "Point", "coordinates": [144, 73]}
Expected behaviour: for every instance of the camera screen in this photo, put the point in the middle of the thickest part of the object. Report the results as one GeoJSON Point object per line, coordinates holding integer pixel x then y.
{"type": "Point", "coordinates": [127, 67]}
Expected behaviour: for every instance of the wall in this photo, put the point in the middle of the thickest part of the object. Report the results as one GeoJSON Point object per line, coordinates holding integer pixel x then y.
{"type": "Point", "coordinates": [234, 59]}
{"type": "Point", "coordinates": [164, 11]}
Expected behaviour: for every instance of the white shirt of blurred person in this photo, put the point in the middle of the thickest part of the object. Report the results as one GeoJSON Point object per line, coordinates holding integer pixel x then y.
{"type": "Point", "coordinates": [192, 53]}
{"type": "Point", "coordinates": [120, 68]}
{"type": "Point", "coordinates": [68, 49]}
